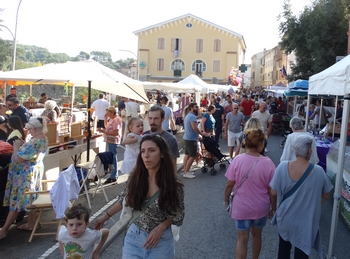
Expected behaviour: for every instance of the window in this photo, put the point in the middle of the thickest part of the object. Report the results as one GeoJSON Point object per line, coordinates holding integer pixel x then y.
{"type": "Point", "coordinates": [177, 64]}
{"type": "Point", "coordinates": [160, 64]}
{"type": "Point", "coordinates": [216, 65]}
{"type": "Point", "coordinates": [199, 66]}
{"type": "Point", "coordinates": [189, 25]}
{"type": "Point", "coordinates": [176, 44]}
{"type": "Point", "coordinates": [199, 45]}
{"type": "Point", "coordinates": [160, 43]}
{"type": "Point", "coordinates": [217, 45]}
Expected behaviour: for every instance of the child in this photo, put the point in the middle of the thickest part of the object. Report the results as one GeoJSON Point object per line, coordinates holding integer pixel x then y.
{"type": "Point", "coordinates": [76, 239]}
{"type": "Point", "coordinates": [132, 141]}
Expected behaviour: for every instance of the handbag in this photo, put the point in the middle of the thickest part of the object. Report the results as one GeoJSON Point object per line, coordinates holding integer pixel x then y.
{"type": "Point", "coordinates": [126, 217]}
{"type": "Point", "coordinates": [233, 193]}
{"type": "Point", "coordinates": [110, 139]}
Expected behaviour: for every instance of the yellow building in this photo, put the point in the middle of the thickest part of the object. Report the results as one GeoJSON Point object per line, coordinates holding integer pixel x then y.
{"type": "Point", "coordinates": [172, 50]}
{"type": "Point", "coordinates": [273, 61]}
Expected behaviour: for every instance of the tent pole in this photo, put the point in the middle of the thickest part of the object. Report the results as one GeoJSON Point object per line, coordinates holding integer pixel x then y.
{"type": "Point", "coordinates": [73, 98]}
{"type": "Point", "coordinates": [5, 84]}
{"type": "Point", "coordinates": [339, 177]}
{"type": "Point", "coordinates": [307, 113]}
{"type": "Point", "coordinates": [336, 101]}
{"type": "Point", "coordinates": [89, 118]}
{"type": "Point", "coordinates": [320, 115]}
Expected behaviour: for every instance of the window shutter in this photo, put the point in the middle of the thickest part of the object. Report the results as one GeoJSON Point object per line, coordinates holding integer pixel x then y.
{"type": "Point", "coordinates": [172, 44]}
{"type": "Point", "coordinates": [216, 65]}
{"type": "Point", "coordinates": [199, 46]}
{"type": "Point", "coordinates": [180, 45]}
{"type": "Point", "coordinates": [160, 44]}
{"type": "Point", "coordinates": [162, 64]}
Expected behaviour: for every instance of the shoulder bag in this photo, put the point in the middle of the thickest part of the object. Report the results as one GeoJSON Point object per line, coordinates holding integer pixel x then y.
{"type": "Point", "coordinates": [233, 193]}
{"type": "Point", "coordinates": [293, 189]}
{"type": "Point", "coordinates": [126, 217]}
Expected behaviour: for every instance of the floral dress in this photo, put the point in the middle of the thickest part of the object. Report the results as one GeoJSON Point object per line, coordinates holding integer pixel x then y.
{"type": "Point", "coordinates": [25, 176]}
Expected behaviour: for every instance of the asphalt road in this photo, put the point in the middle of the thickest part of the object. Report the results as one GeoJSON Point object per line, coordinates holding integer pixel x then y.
{"type": "Point", "coordinates": [207, 231]}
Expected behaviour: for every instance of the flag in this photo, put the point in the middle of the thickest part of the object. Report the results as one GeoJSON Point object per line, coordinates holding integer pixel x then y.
{"type": "Point", "coordinates": [284, 72]}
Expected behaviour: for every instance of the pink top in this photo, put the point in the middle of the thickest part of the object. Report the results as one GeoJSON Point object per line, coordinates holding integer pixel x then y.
{"type": "Point", "coordinates": [252, 200]}
{"type": "Point", "coordinates": [112, 125]}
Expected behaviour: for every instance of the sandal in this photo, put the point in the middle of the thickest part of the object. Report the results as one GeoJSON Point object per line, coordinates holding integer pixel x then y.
{"type": "Point", "coordinates": [3, 236]}
{"type": "Point", "coordinates": [25, 227]}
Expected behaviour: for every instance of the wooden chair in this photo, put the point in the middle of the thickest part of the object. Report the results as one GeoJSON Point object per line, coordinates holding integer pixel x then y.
{"type": "Point", "coordinates": [45, 200]}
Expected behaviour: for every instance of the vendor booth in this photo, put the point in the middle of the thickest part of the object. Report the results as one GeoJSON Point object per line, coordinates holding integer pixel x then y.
{"type": "Point", "coordinates": [88, 74]}
{"type": "Point", "coordinates": [335, 81]}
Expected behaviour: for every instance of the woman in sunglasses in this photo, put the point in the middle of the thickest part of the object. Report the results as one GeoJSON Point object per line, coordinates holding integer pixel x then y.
{"type": "Point", "coordinates": [248, 177]}
{"type": "Point", "coordinates": [149, 233]}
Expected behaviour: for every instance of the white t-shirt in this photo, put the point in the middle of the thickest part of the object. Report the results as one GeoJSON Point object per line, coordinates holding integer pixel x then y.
{"type": "Point", "coordinates": [264, 118]}
{"type": "Point", "coordinates": [100, 106]}
{"type": "Point", "coordinates": [168, 114]}
{"type": "Point", "coordinates": [132, 109]}
{"type": "Point", "coordinates": [81, 247]}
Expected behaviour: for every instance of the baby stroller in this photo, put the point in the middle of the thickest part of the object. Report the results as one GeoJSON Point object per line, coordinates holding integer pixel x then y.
{"type": "Point", "coordinates": [287, 130]}
{"type": "Point", "coordinates": [211, 155]}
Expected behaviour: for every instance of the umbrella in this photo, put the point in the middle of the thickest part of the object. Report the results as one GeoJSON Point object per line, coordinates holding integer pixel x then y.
{"type": "Point", "coordinates": [90, 74]}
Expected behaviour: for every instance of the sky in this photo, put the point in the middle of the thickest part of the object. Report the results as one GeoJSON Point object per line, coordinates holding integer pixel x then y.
{"type": "Point", "coordinates": [71, 26]}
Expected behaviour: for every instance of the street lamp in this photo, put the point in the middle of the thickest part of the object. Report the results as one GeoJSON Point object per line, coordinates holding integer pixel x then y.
{"type": "Point", "coordinates": [15, 37]}
{"type": "Point", "coordinates": [137, 69]}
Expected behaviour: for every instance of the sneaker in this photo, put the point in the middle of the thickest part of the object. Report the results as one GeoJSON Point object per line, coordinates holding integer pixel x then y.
{"type": "Point", "coordinates": [110, 180]}
{"type": "Point", "coordinates": [196, 166]}
{"type": "Point", "coordinates": [266, 150]}
{"type": "Point", "coordinates": [188, 175]}
{"type": "Point", "coordinates": [230, 160]}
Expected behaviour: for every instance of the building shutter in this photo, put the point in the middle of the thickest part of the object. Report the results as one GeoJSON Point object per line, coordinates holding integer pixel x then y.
{"type": "Point", "coordinates": [160, 64]}
{"type": "Point", "coordinates": [180, 45]}
{"type": "Point", "coordinates": [199, 46]}
{"type": "Point", "coordinates": [217, 45]}
{"type": "Point", "coordinates": [216, 65]}
{"type": "Point", "coordinates": [160, 44]}
{"type": "Point", "coordinates": [173, 42]}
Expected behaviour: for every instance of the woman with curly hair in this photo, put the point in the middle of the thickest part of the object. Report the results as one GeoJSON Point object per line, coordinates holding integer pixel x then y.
{"type": "Point", "coordinates": [248, 177]}
{"type": "Point", "coordinates": [150, 233]}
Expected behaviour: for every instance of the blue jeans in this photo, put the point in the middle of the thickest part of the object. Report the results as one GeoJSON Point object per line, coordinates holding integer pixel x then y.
{"type": "Point", "coordinates": [136, 238]}
{"type": "Point", "coordinates": [113, 148]}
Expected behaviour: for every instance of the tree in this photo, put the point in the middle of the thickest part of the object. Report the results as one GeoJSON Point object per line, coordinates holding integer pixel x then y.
{"type": "Point", "coordinates": [5, 54]}
{"type": "Point", "coordinates": [317, 36]}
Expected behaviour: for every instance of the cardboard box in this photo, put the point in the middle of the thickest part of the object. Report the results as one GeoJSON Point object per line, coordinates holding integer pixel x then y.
{"type": "Point", "coordinates": [337, 128]}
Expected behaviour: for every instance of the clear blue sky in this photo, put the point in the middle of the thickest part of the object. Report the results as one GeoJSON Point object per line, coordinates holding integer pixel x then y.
{"type": "Point", "coordinates": [71, 26]}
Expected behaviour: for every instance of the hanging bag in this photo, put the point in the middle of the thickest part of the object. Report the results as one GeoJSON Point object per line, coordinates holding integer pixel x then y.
{"type": "Point", "coordinates": [233, 193]}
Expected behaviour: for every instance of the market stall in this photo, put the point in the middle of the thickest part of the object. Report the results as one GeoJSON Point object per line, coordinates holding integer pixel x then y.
{"type": "Point", "coordinates": [335, 81]}
{"type": "Point", "coordinates": [88, 74]}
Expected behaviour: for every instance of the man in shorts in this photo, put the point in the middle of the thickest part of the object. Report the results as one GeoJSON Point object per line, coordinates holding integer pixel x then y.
{"type": "Point", "coordinates": [233, 131]}
{"type": "Point", "coordinates": [191, 138]}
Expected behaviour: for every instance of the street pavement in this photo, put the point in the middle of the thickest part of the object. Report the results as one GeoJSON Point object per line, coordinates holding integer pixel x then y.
{"type": "Point", "coordinates": [207, 231]}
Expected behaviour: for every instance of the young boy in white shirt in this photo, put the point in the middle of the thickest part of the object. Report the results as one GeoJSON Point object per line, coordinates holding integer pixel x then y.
{"type": "Point", "coordinates": [76, 239]}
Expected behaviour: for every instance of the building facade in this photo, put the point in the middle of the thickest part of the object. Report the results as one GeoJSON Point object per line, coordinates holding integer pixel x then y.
{"type": "Point", "coordinates": [174, 49]}
{"type": "Point", "coordinates": [270, 67]}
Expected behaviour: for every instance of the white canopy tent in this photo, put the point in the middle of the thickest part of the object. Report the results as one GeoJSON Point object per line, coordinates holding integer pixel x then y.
{"type": "Point", "coordinates": [195, 80]}
{"type": "Point", "coordinates": [335, 81]}
{"type": "Point", "coordinates": [90, 74]}
{"type": "Point", "coordinates": [171, 87]}
{"type": "Point", "coordinates": [79, 74]}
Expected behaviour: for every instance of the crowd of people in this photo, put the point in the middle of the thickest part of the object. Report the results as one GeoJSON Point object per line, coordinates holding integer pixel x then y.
{"type": "Point", "coordinates": [153, 193]}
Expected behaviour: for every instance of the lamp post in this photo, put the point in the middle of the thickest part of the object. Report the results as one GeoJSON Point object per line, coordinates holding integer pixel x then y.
{"type": "Point", "coordinates": [137, 69]}
{"type": "Point", "coordinates": [15, 38]}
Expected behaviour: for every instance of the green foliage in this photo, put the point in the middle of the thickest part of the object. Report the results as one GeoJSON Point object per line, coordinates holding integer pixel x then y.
{"type": "Point", "coordinates": [5, 54]}
{"type": "Point", "coordinates": [316, 36]}
{"type": "Point", "coordinates": [80, 91]}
